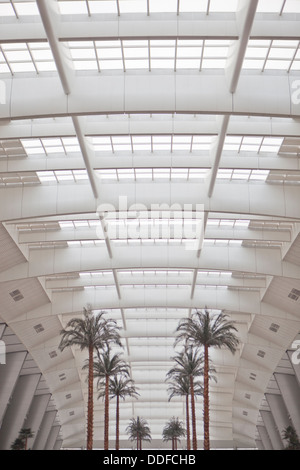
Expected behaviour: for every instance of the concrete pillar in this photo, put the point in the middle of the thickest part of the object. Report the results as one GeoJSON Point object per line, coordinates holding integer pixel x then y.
{"type": "Point", "coordinates": [44, 430]}
{"type": "Point", "coordinates": [16, 411]}
{"type": "Point", "coordinates": [9, 374]}
{"type": "Point", "coordinates": [58, 444]}
{"type": "Point", "coordinates": [289, 388]}
{"type": "Point", "coordinates": [259, 445]}
{"type": "Point", "coordinates": [52, 438]}
{"type": "Point", "coordinates": [279, 413]}
{"type": "Point", "coordinates": [264, 438]}
{"type": "Point", "coordinates": [272, 429]}
{"type": "Point", "coordinates": [35, 415]}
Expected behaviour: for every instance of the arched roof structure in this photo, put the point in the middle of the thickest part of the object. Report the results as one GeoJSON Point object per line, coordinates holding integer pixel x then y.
{"type": "Point", "coordinates": [149, 166]}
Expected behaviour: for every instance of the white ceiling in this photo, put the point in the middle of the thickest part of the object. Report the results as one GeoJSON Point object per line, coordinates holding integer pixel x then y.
{"type": "Point", "coordinates": [91, 125]}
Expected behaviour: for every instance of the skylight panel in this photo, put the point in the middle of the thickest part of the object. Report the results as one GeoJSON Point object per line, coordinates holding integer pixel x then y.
{"type": "Point", "coordinates": [181, 142]}
{"type": "Point", "coordinates": [140, 52]}
{"type": "Point", "coordinates": [271, 55]}
{"type": "Point", "coordinates": [162, 142]}
{"type": "Point", "coordinates": [26, 8]}
{"type": "Point", "coordinates": [291, 6]}
{"type": "Point", "coordinates": [163, 6]}
{"type": "Point", "coordinates": [189, 6]}
{"type": "Point", "coordinates": [74, 7]}
{"type": "Point", "coordinates": [240, 175]}
{"type": "Point", "coordinates": [110, 52]}
{"type": "Point", "coordinates": [60, 176]}
{"type": "Point", "coordinates": [230, 6]}
{"type": "Point", "coordinates": [141, 143]}
{"type": "Point", "coordinates": [26, 57]}
{"type": "Point", "coordinates": [265, 6]}
{"type": "Point", "coordinates": [132, 6]}
{"type": "Point", "coordinates": [103, 7]}
{"type": "Point", "coordinates": [6, 9]}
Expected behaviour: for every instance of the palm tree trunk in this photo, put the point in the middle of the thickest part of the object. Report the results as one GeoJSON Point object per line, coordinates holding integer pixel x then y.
{"type": "Point", "coordinates": [106, 413]}
{"type": "Point", "coordinates": [193, 414]}
{"type": "Point", "coordinates": [187, 412]}
{"type": "Point", "coordinates": [117, 422]}
{"type": "Point", "coordinates": [206, 399]}
{"type": "Point", "coordinates": [90, 413]}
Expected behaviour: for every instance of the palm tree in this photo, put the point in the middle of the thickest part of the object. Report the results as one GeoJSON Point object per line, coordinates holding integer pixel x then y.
{"type": "Point", "coordinates": [172, 431]}
{"type": "Point", "coordinates": [138, 430]}
{"type": "Point", "coordinates": [18, 444]}
{"type": "Point", "coordinates": [203, 329]}
{"type": "Point", "coordinates": [92, 332]}
{"type": "Point", "coordinates": [120, 387]}
{"type": "Point", "coordinates": [189, 364]}
{"type": "Point", "coordinates": [290, 435]}
{"type": "Point", "coordinates": [106, 366]}
{"type": "Point", "coordinates": [25, 434]}
{"type": "Point", "coordinates": [180, 386]}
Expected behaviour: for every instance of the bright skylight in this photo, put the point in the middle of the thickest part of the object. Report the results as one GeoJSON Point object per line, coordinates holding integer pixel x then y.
{"type": "Point", "coordinates": [142, 174]}
{"type": "Point", "coordinates": [257, 144]}
{"type": "Point", "coordinates": [272, 55]}
{"type": "Point", "coordinates": [151, 143]}
{"type": "Point", "coordinates": [26, 57]}
{"type": "Point", "coordinates": [47, 146]}
{"type": "Point", "coordinates": [119, 7]}
{"type": "Point", "coordinates": [149, 54]}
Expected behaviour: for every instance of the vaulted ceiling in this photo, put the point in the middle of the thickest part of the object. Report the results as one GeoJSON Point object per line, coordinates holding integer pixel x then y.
{"type": "Point", "coordinates": [149, 166]}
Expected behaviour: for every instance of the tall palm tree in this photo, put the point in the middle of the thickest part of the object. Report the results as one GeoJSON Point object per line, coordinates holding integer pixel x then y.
{"type": "Point", "coordinates": [189, 364]}
{"type": "Point", "coordinates": [106, 366]}
{"type": "Point", "coordinates": [173, 431]}
{"type": "Point", "coordinates": [138, 430]}
{"type": "Point", "coordinates": [120, 387]}
{"type": "Point", "coordinates": [92, 332]}
{"type": "Point", "coordinates": [204, 329]}
{"type": "Point", "coordinates": [179, 385]}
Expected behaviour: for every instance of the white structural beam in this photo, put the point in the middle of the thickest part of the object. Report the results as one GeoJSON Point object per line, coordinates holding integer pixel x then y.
{"type": "Point", "coordinates": [213, 279]}
{"type": "Point", "coordinates": [245, 15]}
{"type": "Point", "coordinates": [137, 26]}
{"type": "Point", "coordinates": [59, 235]}
{"type": "Point", "coordinates": [208, 93]}
{"type": "Point", "coordinates": [45, 262]}
{"type": "Point", "coordinates": [49, 12]}
{"type": "Point", "coordinates": [217, 153]}
{"type": "Point", "coordinates": [257, 198]}
{"type": "Point", "coordinates": [154, 124]}
{"type": "Point", "coordinates": [122, 160]}
{"type": "Point", "coordinates": [248, 302]}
